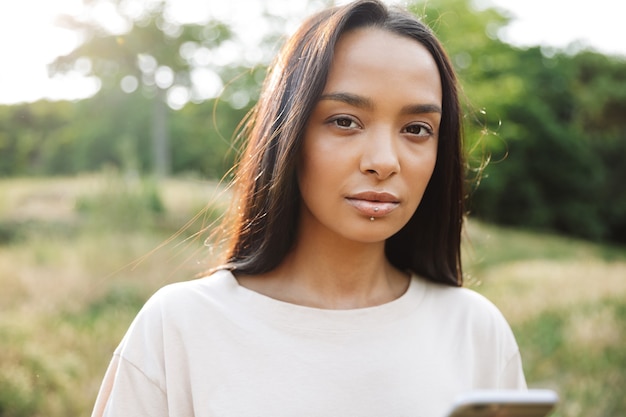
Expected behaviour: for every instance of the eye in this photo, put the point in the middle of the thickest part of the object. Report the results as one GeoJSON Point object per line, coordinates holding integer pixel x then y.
{"type": "Point", "coordinates": [344, 122]}
{"type": "Point", "coordinates": [419, 129]}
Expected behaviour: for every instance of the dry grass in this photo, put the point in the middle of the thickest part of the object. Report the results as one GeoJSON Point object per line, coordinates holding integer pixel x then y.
{"type": "Point", "coordinates": [45, 270]}
{"type": "Point", "coordinates": [44, 199]}
{"type": "Point", "coordinates": [54, 199]}
{"type": "Point", "coordinates": [523, 289]}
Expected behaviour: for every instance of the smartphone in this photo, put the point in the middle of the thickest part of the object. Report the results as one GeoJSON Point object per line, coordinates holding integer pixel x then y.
{"type": "Point", "coordinates": [504, 403]}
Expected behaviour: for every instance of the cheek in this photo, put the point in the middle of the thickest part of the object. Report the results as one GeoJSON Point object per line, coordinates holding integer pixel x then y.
{"type": "Point", "coordinates": [310, 170]}
{"type": "Point", "coordinates": [421, 172]}
{"type": "Point", "coordinates": [318, 161]}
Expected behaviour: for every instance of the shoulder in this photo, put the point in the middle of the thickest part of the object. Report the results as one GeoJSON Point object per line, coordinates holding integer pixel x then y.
{"type": "Point", "coordinates": [459, 298]}
{"type": "Point", "coordinates": [466, 318]}
{"type": "Point", "coordinates": [180, 305]}
{"type": "Point", "coordinates": [206, 291]}
{"type": "Point", "coordinates": [466, 307]}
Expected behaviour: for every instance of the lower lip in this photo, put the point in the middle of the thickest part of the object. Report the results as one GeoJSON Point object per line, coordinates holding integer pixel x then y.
{"type": "Point", "coordinates": [372, 208]}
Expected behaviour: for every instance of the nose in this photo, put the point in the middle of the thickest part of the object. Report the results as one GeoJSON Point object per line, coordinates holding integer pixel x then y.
{"type": "Point", "coordinates": [380, 156]}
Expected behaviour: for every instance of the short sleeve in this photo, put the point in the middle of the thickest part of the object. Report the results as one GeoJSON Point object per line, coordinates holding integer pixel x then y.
{"type": "Point", "coordinates": [127, 391]}
{"type": "Point", "coordinates": [512, 376]}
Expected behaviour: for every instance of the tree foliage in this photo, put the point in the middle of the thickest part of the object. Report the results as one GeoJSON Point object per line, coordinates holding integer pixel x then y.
{"type": "Point", "coordinates": [154, 53]}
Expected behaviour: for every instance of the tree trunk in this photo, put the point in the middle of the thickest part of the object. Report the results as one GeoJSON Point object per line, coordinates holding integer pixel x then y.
{"type": "Point", "coordinates": [161, 158]}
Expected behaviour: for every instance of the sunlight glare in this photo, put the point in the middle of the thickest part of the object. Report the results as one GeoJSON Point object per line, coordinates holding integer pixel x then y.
{"type": "Point", "coordinates": [29, 42]}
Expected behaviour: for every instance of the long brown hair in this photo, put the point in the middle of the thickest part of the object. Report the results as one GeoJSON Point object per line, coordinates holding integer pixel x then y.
{"type": "Point", "coordinates": [264, 216]}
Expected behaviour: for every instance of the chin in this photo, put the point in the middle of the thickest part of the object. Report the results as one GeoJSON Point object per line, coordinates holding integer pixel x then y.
{"type": "Point", "coordinates": [377, 233]}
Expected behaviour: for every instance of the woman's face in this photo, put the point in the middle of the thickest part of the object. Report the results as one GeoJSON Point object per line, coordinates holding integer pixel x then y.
{"type": "Point", "coordinates": [370, 144]}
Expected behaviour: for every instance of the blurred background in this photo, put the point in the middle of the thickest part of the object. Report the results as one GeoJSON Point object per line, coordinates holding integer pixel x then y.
{"type": "Point", "coordinates": [118, 123]}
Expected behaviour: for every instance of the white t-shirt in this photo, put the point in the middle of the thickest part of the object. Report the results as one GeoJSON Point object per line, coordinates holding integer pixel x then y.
{"type": "Point", "coordinates": [212, 348]}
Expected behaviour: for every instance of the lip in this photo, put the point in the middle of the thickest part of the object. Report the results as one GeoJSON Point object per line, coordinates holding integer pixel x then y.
{"type": "Point", "coordinates": [373, 203]}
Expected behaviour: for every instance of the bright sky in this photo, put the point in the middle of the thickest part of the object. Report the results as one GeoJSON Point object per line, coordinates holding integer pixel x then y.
{"type": "Point", "coordinates": [29, 39]}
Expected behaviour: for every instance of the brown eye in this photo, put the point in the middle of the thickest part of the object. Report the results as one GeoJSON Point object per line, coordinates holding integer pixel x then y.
{"type": "Point", "coordinates": [344, 123]}
{"type": "Point", "coordinates": [418, 130]}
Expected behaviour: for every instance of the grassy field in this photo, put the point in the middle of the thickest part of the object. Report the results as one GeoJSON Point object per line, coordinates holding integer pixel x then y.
{"type": "Point", "coordinates": [79, 256]}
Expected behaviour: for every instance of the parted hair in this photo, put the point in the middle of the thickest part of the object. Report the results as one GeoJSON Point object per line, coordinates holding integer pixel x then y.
{"type": "Point", "coordinates": [263, 220]}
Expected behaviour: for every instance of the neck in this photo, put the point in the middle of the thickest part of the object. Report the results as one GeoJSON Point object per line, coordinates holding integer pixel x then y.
{"type": "Point", "coordinates": [328, 272]}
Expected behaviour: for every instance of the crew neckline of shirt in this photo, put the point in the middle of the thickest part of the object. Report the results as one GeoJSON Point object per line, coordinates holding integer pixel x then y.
{"type": "Point", "coordinates": [295, 315]}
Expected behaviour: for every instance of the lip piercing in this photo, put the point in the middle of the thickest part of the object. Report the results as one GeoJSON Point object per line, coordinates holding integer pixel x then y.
{"type": "Point", "coordinates": [371, 219]}
{"type": "Point", "coordinates": [376, 209]}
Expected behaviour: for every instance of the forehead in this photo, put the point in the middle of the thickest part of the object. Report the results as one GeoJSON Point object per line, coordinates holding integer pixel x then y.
{"type": "Point", "coordinates": [370, 58]}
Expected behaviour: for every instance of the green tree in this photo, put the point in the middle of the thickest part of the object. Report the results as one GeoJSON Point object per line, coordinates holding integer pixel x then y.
{"type": "Point", "coordinates": [154, 53]}
{"type": "Point", "coordinates": [599, 88]}
{"type": "Point", "coordinates": [33, 138]}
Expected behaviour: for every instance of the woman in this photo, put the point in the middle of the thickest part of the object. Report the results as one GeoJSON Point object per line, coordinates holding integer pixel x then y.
{"type": "Point", "coordinates": [340, 292]}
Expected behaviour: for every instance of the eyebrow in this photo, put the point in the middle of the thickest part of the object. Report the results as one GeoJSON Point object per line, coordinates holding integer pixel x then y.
{"type": "Point", "coordinates": [366, 103]}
